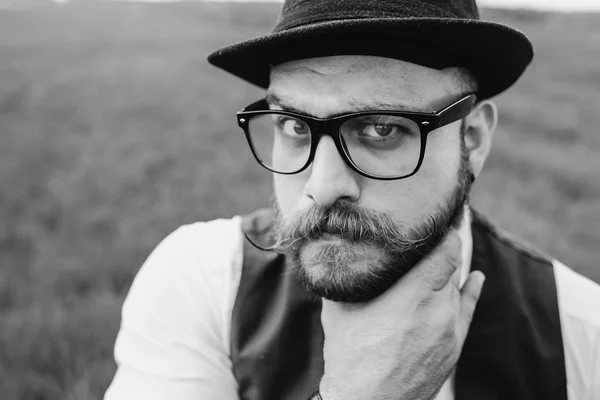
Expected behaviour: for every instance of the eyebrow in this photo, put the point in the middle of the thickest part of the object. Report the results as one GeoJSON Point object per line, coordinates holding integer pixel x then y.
{"type": "Point", "coordinates": [284, 102]}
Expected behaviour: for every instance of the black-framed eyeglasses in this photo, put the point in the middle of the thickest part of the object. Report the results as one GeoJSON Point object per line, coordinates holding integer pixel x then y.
{"type": "Point", "coordinates": [384, 145]}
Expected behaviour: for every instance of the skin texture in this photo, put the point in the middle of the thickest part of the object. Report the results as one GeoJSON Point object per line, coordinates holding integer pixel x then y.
{"type": "Point", "coordinates": [330, 86]}
{"type": "Point", "coordinates": [404, 343]}
{"type": "Point", "coordinates": [325, 87]}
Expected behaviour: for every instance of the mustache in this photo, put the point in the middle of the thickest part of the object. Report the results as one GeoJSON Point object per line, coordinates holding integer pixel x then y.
{"type": "Point", "coordinates": [351, 223]}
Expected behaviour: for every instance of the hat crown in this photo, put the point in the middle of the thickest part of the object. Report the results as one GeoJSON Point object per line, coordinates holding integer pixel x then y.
{"type": "Point", "coordinates": [432, 33]}
{"type": "Point", "coordinates": [296, 13]}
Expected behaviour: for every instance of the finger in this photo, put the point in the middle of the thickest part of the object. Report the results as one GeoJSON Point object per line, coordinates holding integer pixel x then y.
{"type": "Point", "coordinates": [455, 281]}
{"type": "Point", "coordinates": [437, 268]}
{"type": "Point", "coordinates": [457, 275]}
{"type": "Point", "coordinates": [469, 294]}
{"type": "Point", "coordinates": [328, 314]}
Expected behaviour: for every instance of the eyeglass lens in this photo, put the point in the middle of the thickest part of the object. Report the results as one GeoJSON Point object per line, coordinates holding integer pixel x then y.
{"type": "Point", "coordinates": [380, 145]}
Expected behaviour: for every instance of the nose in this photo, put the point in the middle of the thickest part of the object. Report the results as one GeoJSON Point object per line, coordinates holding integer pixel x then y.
{"type": "Point", "coordinates": [330, 177]}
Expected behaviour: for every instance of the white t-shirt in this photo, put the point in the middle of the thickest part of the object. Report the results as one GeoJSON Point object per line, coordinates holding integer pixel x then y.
{"type": "Point", "coordinates": [174, 341]}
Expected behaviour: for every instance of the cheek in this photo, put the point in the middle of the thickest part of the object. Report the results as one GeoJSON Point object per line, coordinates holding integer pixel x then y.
{"type": "Point", "coordinates": [442, 159]}
{"type": "Point", "coordinates": [288, 191]}
{"type": "Point", "coordinates": [409, 200]}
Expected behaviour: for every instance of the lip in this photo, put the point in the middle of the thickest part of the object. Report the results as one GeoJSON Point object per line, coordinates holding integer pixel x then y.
{"type": "Point", "coordinates": [329, 237]}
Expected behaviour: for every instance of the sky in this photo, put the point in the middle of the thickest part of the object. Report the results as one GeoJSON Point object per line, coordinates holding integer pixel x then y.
{"type": "Point", "coordinates": [560, 5]}
{"type": "Point", "coordinates": [556, 5]}
{"type": "Point", "coordinates": [551, 5]}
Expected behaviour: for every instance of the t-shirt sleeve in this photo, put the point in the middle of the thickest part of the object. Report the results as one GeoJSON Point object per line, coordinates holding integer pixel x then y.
{"type": "Point", "coordinates": [174, 337]}
{"type": "Point", "coordinates": [579, 306]}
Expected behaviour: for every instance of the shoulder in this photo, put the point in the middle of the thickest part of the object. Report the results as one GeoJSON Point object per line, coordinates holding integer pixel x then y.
{"type": "Point", "coordinates": [200, 251]}
{"type": "Point", "coordinates": [578, 296]}
{"type": "Point", "coordinates": [579, 308]}
{"type": "Point", "coordinates": [200, 248]}
{"type": "Point", "coordinates": [175, 320]}
{"type": "Point", "coordinates": [203, 240]}
{"type": "Point", "coordinates": [189, 280]}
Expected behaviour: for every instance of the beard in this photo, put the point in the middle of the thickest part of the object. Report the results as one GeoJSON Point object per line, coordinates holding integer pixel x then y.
{"type": "Point", "coordinates": [346, 253]}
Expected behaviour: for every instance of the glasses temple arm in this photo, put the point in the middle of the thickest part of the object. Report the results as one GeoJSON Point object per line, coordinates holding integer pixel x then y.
{"type": "Point", "coordinates": [257, 105]}
{"type": "Point", "coordinates": [457, 110]}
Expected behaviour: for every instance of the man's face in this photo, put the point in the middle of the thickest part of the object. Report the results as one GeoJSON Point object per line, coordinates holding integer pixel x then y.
{"type": "Point", "coordinates": [352, 237]}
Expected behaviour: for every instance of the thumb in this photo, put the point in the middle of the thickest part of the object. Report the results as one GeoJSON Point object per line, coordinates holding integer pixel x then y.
{"type": "Point", "coordinates": [469, 296]}
{"type": "Point", "coordinates": [437, 268]}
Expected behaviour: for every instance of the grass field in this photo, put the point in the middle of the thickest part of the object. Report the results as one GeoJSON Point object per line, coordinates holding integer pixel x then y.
{"type": "Point", "coordinates": [114, 131]}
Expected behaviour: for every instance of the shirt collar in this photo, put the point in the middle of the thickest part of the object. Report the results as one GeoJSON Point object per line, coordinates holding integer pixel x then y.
{"type": "Point", "coordinates": [466, 238]}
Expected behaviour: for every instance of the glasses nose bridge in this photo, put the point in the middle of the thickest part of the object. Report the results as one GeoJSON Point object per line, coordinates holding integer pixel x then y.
{"type": "Point", "coordinates": [322, 127]}
{"type": "Point", "coordinates": [329, 127]}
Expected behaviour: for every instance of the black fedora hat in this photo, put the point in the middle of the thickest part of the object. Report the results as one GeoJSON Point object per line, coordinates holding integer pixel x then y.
{"type": "Point", "coordinates": [432, 33]}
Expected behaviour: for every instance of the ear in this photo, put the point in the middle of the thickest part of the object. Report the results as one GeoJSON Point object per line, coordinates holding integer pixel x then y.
{"type": "Point", "coordinates": [479, 127]}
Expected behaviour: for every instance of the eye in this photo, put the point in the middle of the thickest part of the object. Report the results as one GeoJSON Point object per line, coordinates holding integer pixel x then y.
{"type": "Point", "coordinates": [382, 127]}
{"type": "Point", "coordinates": [380, 130]}
{"type": "Point", "coordinates": [293, 127]}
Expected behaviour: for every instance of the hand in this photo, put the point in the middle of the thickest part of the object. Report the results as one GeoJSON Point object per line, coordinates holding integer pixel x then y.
{"type": "Point", "coordinates": [404, 344]}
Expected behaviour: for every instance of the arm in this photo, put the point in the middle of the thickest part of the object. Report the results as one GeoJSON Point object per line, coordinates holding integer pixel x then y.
{"type": "Point", "coordinates": [579, 307]}
{"type": "Point", "coordinates": [173, 341]}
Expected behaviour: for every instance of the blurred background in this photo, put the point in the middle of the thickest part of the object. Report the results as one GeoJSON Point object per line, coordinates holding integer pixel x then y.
{"type": "Point", "coordinates": [114, 130]}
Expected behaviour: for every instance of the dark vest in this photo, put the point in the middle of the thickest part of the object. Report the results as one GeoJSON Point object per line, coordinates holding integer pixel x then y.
{"type": "Point", "coordinates": [513, 350]}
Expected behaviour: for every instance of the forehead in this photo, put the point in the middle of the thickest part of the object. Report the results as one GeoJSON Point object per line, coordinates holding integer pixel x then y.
{"type": "Point", "coordinates": [328, 85]}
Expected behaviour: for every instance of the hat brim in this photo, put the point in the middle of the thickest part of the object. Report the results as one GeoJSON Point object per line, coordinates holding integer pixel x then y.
{"type": "Point", "coordinates": [496, 54]}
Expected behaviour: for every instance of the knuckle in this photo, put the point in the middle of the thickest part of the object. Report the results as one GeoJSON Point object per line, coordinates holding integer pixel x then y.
{"type": "Point", "coordinates": [451, 260]}
{"type": "Point", "coordinates": [438, 268]}
{"type": "Point", "coordinates": [436, 282]}
{"type": "Point", "coordinates": [471, 296]}
{"type": "Point", "coordinates": [468, 314]}
{"type": "Point", "coordinates": [424, 302]}
{"type": "Point", "coordinates": [438, 278]}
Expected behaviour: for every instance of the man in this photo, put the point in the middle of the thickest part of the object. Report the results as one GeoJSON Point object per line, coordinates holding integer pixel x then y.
{"type": "Point", "coordinates": [365, 280]}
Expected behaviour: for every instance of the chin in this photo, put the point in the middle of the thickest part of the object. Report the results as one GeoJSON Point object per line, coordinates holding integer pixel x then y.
{"type": "Point", "coordinates": [335, 253]}
{"type": "Point", "coordinates": [338, 270]}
